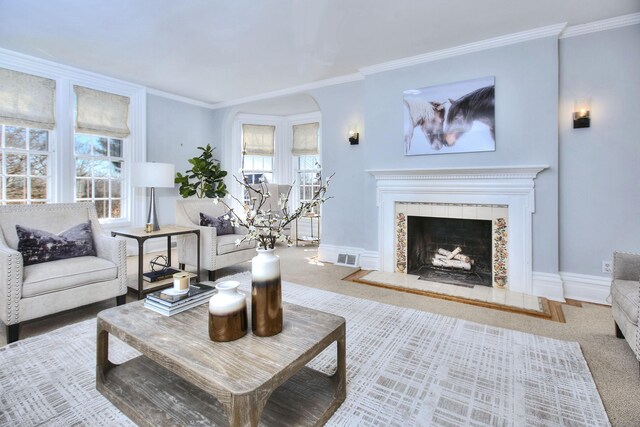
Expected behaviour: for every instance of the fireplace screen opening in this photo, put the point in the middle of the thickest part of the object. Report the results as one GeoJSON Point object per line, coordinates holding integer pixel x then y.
{"type": "Point", "coordinates": [448, 250]}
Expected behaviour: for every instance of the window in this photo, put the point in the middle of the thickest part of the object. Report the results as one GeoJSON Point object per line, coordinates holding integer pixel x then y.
{"type": "Point", "coordinates": [307, 173]}
{"type": "Point", "coordinates": [255, 168]}
{"type": "Point", "coordinates": [24, 158]}
{"type": "Point", "coordinates": [99, 164]}
{"type": "Point", "coordinates": [258, 149]}
{"type": "Point", "coordinates": [68, 135]}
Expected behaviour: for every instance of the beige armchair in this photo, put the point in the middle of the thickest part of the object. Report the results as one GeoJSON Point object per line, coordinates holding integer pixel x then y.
{"type": "Point", "coordinates": [216, 252]}
{"type": "Point", "coordinates": [625, 298]}
{"type": "Point", "coordinates": [37, 290]}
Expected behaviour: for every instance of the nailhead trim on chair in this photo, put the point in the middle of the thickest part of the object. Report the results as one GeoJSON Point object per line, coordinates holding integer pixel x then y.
{"type": "Point", "coordinates": [14, 284]}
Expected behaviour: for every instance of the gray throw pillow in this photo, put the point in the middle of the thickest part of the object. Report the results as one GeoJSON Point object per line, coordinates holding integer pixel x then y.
{"type": "Point", "coordinates": [223, 226]}
{"type": "Point", "coordinates": [38, 246]}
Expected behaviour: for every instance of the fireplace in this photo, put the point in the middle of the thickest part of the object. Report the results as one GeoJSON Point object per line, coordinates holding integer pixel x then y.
{"type": "Point", "coordinates": [505, 195]}
{"type": "Point", "coordinates": [450, 250]}
{"type": "Point", "coordinates": [428, 233]}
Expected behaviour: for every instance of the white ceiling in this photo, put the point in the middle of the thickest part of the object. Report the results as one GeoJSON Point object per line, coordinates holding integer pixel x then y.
{"type": "Point", "coordinates": [220, 50]}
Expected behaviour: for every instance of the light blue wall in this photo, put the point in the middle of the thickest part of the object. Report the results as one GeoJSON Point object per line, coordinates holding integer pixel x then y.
{"type": "Point", "coordinates": [343, 216]}
{"type": "Point", "coordinates": [526, 127]}
{"type": "Point", "coordinates": [174, 130]}
{"type": "Point", "coordinates": [594, 171]}
{"type": "Point", "coordinates": [600, 166]}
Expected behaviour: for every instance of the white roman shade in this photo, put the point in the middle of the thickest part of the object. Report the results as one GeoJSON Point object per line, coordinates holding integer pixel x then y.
{"type": "Point", "coordinates": [26, 100]}
{"type": "Point", "coordinates": [101, 113]}
{"type": "Point", "coordinates": [305, 139]}
{"type": "Point", "coordinates": [258, 140]}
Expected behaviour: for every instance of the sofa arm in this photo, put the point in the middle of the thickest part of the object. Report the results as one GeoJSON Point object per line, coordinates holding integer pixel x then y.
{"type": "Point", "coordinates": [187, 251]}
{"type": "Point", "coordinates": [115, 250]}
{"type": "Point", "coordinates": [626, 266]}
{"type": "Point", "coordinates": [11, 274]}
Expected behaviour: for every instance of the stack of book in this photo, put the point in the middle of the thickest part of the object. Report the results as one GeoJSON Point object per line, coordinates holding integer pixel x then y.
{"type": "Point", "coordinates": [168, 303]}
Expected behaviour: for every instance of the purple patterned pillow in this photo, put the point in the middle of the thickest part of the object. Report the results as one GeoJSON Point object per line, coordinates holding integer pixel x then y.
{"type": "Point", "coordinates": [38, 246]}
{"type": "Point", "coordinates": [223, 226]}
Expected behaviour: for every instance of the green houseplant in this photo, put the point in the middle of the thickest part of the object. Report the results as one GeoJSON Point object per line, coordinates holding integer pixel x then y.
{"type": "Point", "coordinates": [205, 178]}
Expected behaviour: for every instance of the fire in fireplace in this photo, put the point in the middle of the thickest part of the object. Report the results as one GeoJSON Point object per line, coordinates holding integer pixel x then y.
{"type": "Point", "coordinates": [450, 250]}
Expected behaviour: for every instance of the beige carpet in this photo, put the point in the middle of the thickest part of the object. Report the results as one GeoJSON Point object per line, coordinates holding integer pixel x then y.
{"type": "Point", "coordinates": [611, 361]}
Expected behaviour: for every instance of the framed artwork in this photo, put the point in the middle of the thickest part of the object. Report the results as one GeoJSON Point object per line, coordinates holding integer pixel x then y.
{"type": "Point", "coordinates": [452, 118]}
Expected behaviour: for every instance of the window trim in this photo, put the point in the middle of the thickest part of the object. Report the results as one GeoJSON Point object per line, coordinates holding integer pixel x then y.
{"type": "Point", "coordinates": [61, 138]}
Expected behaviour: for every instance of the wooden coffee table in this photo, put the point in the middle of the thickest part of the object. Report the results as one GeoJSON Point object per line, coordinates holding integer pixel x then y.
{"type": "Point", "coordinates": [184, 378]}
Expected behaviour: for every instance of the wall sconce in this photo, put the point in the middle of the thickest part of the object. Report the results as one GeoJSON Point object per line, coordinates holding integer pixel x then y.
{"type": "Point", "coordinates": [354, 137]}
{"type": "Point", "coordinates": [582, 113]}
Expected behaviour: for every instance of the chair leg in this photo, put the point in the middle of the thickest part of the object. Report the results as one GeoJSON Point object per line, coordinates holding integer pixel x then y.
{"type": "Point", "coordinates": [121, 299]}
{"type": "Point", "coordinates": [13, 332]}
{"type": "Point", "coordinates": [181, 266]}
{"type": "Point", "coordinates": [619, 333]}
{"type": "Point", "coordinates": [212, 275]}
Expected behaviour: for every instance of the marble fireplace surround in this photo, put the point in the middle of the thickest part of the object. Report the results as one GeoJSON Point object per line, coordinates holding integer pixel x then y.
{"type": "Point", "coordinates": [512, 186]}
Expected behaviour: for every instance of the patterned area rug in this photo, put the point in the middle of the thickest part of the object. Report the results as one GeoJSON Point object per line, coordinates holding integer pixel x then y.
{"type": "Point", "coordinates": [404, 367]}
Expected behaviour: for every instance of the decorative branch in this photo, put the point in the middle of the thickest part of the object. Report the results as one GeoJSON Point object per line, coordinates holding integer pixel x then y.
{"type": "Point", "coordinates": [266, 226]}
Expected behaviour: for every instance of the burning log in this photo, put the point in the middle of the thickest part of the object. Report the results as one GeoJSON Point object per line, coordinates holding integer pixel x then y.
{"type": "Point", "coordinates": [451, 263]}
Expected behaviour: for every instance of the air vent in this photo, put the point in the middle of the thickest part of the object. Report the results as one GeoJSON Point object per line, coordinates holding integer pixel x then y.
{"type": "Point", "coordinates": [349, 260]}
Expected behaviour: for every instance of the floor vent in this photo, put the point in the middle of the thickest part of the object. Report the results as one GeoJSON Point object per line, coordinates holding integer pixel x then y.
{"type": "Point", "coordinates": [349, 260]}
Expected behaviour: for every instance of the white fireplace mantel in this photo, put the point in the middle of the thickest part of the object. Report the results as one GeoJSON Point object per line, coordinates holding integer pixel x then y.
{"type": "Point", "coordinates": [486, 172]}
{"type": "Point", "coordinates": [510, 185]}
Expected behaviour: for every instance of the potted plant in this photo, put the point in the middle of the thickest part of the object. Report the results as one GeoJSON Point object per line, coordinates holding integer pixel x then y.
{"type": "Point", "coordinates": [205, 178]}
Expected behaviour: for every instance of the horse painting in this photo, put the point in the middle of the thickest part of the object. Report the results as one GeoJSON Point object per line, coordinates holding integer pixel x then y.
{"type": "Point", "coordinates": [455, 117]}
{"type": "Point", "coordinates": [477, 105]}
{"type": "Point", "coordinates": [429, 116]}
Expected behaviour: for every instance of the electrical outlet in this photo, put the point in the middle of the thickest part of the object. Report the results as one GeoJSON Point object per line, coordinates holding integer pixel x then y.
{"type": "Point", "coordinates": [607, 267]}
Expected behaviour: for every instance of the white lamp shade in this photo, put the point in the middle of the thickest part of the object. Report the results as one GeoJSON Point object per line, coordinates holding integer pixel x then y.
{"type": "Point", "coordinates": [153, 174]}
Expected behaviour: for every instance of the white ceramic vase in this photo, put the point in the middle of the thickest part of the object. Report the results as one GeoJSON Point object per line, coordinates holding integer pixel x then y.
{"type": "Point", "coordinates": [227, 313]}
{"type": "Point", "coordinates": [266, 294]}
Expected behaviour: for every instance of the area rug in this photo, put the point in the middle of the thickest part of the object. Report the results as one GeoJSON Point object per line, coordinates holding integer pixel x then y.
{"type": "Point", "coordinates": [404, 368]}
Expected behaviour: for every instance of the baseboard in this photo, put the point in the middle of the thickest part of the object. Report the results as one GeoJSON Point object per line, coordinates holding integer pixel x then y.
{"type": "Point", "coordinates": [583, 287]}
{"type": "Point", "coordinates": [367, 260]}
{"type": "Point", "coordinates": [548, 285]}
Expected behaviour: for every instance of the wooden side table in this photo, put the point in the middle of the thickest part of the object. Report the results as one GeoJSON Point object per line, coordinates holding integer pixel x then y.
{"type": "Point", "coordinates": [312, 238]}
{"type": "Point", "coordinates": [142, 236]}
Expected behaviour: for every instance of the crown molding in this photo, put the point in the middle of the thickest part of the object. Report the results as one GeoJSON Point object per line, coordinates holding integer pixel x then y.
{"type": "Point", "coordinates": [506, 40]}
{"type": "Point", "coordinates": [459, 173]}
{"type": "Point", "coordinates": [179, 98]}
{"type": "Point", "coordinates": [55, 70]}
{"type": "Point", "coordinates": [347, 78]}
{"type": "Point", "coordinates": [605, 24]}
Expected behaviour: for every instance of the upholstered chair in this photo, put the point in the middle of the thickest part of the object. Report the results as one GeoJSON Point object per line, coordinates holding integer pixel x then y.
{"type": "Point", "coordinates": [216, 252]}
{"type": "Point", "coordinates": [625, 298]}
{"type": "Point", "coordinates": [31, 291]}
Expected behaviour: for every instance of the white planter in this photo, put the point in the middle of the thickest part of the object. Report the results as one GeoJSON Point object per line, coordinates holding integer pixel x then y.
{"type": "Point", "coordinates": [227, 313]}
{"type": "Point", "coordinates": [266, 294]}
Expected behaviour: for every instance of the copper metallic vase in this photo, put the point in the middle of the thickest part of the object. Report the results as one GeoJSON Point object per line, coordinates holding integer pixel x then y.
{"type": "Point", "coordinates": [266, 294]}
{"type": "Point", "coordinates": [227, 313]}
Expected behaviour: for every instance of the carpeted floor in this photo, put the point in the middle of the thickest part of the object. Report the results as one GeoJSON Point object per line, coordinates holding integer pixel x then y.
{"type": "Point", "coordinates": [405, 367]}
{"type": "Point", "coordinates": [611, 361]}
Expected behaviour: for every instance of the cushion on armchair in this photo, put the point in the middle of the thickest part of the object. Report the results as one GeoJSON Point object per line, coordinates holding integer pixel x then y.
{"type": "Point", "coordinates": [65, 274]}
{"type": "Point", "coordinates": [625, 294]}
{"type": "Point", "coordinates": [38, 246]}
{"type": "Point", "coordinates": [223, 226]}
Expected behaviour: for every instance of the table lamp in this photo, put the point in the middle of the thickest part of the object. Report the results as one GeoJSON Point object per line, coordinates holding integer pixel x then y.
{"type": "Point", "coordinates": [152, 175]}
